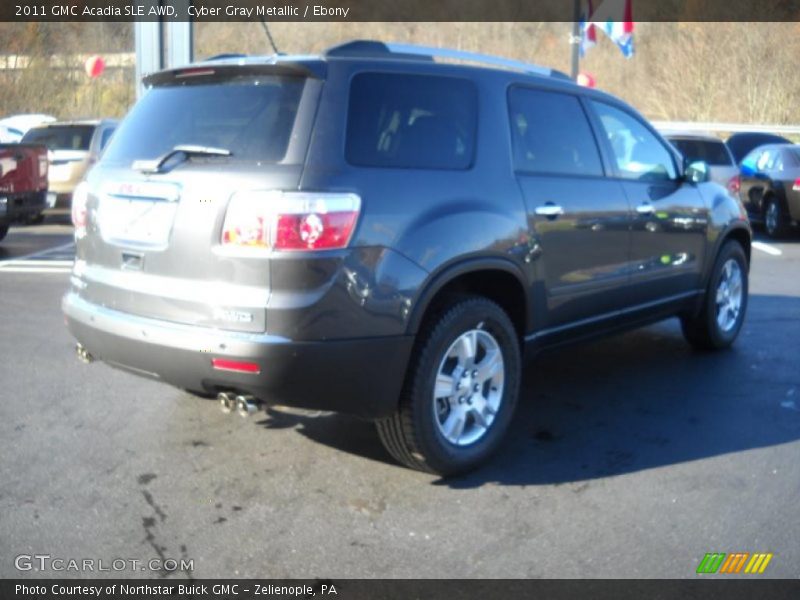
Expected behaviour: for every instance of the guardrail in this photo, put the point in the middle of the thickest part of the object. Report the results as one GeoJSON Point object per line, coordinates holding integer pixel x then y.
{"type": "Point", "coordinates": [726, 127]}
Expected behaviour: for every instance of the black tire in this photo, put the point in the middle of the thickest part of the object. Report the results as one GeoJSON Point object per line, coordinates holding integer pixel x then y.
{"type": "Point", "coordinates": [775, 219]}
{"type": "Point", "coordinates": [703, 331]}
{"type": "Point", "coordinates": [413, 435]}
{"type": "Point", "coordinates": [3, 231]}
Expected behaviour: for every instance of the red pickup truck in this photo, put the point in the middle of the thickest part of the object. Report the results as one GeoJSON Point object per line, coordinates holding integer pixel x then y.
{"type": "Point", "coordinates": [23, 183]}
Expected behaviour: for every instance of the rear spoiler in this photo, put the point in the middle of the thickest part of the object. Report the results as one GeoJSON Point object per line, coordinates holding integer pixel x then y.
{"type": "Point", "coordinates": [216, 70]}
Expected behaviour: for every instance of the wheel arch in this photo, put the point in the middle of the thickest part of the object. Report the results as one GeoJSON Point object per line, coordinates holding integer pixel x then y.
{"type": "Point", "coordinates": [741, 235]}
{"type": "Point", "coordinates": [494, 278]}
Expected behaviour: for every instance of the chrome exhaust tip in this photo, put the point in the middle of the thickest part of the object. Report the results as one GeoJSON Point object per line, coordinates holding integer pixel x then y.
{"type": "Point", "coordinates": [83, 354]}
{"type": "Point", "coordinates": [246, 405]}
{"type": "Point", "coordinates": [227, 402]}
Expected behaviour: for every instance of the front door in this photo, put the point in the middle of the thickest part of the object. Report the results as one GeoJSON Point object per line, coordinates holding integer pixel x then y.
{"type": "Point", "coordinates": [670, 216]}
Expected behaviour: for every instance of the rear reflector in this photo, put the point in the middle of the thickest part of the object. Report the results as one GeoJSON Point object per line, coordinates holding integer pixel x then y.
{"type": "Point", "coordinates": [225, 364]}
{"type": "Point", "coordinates": [796, 186]}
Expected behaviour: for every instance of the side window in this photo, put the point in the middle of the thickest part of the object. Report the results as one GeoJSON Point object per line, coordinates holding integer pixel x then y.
{"type": "Point", "coordinates": [638, 153]}
{"type": "Point", "coordinates": [551, 134]}
{"type": "Point", "coordinates": [765, 161]}
{"type": "Point", "coordinates": [411, 121]}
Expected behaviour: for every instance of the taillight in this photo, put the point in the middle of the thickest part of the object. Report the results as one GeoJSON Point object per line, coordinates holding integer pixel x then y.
{"type": "Point", "coordinates": [80, 197]}
{"type": "Point", "coordinates": [296, 221]}
{"type": "Point", "coordinates": [796, 186]}
{"type": "Point", "coordinates": [734, 185]}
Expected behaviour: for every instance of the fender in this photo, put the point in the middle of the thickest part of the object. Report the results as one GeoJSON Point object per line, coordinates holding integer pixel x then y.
{"type": "Point", "coordinates": [440, 278]}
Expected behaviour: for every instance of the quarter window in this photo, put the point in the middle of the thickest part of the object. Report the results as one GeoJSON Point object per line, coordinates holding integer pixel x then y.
{"type": "Point", "coordinates": [551, 134]}
{"type": "Point", "coordinates": [638, 153]}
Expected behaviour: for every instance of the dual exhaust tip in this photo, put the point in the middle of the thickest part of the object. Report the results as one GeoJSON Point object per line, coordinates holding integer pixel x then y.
{"type": "Point", "coordinates": [243, 404]}
{"type": "Point", "coordinates": [83, 354]}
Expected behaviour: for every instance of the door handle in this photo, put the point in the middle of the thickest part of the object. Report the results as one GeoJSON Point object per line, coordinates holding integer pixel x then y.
{"type": "Point", "coordinates": [645, 208]}
{"type": "Point", "coordinates": [549, 210]}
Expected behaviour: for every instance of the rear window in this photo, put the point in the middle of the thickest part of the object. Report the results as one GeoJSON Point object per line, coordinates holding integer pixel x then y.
{"type": "Point", "coordinates": [713, 153]}
{"type": "Point", "coordinates": [252, 117]}
{"type": "Point", "coordinates": [411, 121]}
{"type": "Point", "coordinates": [61, 137]}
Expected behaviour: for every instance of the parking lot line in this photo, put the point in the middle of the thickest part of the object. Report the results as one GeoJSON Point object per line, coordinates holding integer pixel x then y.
{"type": "Point", "coordinates": [40, 253]}
{"type": "Point", "coordinates": [33, 262]}
{"type": "Point", "coordinates": [35, 270]}
{"type": "Point", "coordinates": [767, 248]}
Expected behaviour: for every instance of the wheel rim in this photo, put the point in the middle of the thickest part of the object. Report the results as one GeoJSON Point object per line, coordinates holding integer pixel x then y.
{"type": "Point", "coordinates": [469, 387]}
{"type": "Point", "coordinates": [772, 217]}
{"type": "Point", "coordinates": [730, 292]}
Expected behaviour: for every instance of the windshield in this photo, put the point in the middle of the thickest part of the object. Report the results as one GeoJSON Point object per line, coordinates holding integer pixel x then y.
{"type": "Point", "coordinates": [251, 117]}
{"type": "Point", "coordinates": [713, 153]}
{"type": "Point", "coordinates": [61, 137]}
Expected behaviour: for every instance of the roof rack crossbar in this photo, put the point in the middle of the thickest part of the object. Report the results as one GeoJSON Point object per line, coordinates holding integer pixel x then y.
{"type": "Point", "coordinates": [431, 51]}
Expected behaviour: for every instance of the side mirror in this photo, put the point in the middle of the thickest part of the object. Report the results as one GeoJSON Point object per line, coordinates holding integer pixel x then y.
{"type": "Point", "coordinates": [696, 171]}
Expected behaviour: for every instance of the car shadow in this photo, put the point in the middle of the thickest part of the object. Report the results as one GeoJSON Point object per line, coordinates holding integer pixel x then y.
{"type": "Point", "coordinates": [638, 401]}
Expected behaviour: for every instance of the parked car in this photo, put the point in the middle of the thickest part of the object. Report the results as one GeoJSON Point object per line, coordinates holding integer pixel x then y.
{"type": "Point", "coordinates": [703, 147]}
{"type": "Point", "coordinates": [375, 233]}
{"type": "Point", "coordinates": [13, 128]}
{"type": "Point", "coordinates": [74, 147]}
{"type": "Point", "coordinates": [771, 187]}
{"type": "Point", "coordinates": [740, 144]}
{"type": "Point", "coordinates": [23, 183]}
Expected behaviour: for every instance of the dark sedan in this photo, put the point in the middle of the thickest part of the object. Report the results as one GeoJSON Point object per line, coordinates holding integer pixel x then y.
{"type": "Point", "coordinates": [770, 187]}
{"type": "Point", "coordinates": [740, 144]}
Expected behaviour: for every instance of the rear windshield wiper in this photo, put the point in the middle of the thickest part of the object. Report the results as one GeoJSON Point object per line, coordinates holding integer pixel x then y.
{"type": "Point", "coordinates": [187, 150]}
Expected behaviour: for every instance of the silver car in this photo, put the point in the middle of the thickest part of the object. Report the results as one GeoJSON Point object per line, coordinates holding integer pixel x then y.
{"type": "Point", "coordinates": [713, 151]}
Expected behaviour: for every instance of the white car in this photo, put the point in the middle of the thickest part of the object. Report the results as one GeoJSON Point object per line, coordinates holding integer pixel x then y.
{"type": "Point", "coordinates": [13, 128]}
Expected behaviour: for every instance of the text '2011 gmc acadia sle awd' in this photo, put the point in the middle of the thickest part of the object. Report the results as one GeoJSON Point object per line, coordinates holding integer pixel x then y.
{"type": "Point", "coordinates": [377, 233]}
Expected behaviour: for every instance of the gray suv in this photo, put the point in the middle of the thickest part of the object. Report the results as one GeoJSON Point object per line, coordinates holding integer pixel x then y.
{"type": "Point", "coordinates": [376, 233]}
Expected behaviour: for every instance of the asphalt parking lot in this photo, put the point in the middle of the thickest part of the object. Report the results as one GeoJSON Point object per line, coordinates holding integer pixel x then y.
{"type": "Point", "coordinates": [629, 457]}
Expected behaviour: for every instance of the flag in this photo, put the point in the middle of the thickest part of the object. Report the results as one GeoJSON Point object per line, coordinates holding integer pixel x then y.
{"type": "Point", "coordinates": [615, 19]}
{"type": "Point", "coordinates": [588, 30]}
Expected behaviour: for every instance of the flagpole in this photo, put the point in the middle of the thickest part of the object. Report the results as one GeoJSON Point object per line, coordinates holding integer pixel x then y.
{"type": "Point", "coordinates": [575, 39]}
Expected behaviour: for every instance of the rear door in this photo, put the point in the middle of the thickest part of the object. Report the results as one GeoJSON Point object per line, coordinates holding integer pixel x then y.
{"type": "Point", "coordinates": [580, 218]}
{"type": "Point", "coordinates": [670, 217]}
{"type": "Point", "coordinates": [153, 238]}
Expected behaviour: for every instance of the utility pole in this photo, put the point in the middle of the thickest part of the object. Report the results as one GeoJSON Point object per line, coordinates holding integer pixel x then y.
{"type": "Point", "coordinates": [575, 39]}
{"type": "Point", "coordinates": [162, 44]}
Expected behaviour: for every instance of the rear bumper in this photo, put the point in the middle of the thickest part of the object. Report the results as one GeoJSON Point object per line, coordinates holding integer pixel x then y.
{"type": "Point", "coordinates": [360, 377]}
{"type": "Point", "coordinates": [18, 207]}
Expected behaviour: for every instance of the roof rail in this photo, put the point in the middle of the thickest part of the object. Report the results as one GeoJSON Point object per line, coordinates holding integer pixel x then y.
{"type": "Point", "coordinates": [396, 50]}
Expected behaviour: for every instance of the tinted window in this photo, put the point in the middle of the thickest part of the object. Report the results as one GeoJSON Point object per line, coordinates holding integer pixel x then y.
{"type": "Point", "coordinates": [639, 154]}
{"type": "Point", "coordinates": [411, 121]}
{"type": "Point", "coordinates": [250, 117]}
{"type": "Point", "coordinates": [61, 137]}
{"type": "Point", "coordinates": [551, 134]}
{"type": "Point", "coordinates": [713, 153]}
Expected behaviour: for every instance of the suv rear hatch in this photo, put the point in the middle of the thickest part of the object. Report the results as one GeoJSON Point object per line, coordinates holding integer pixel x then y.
{"type": "Point", "coordinates": [149, 219]}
